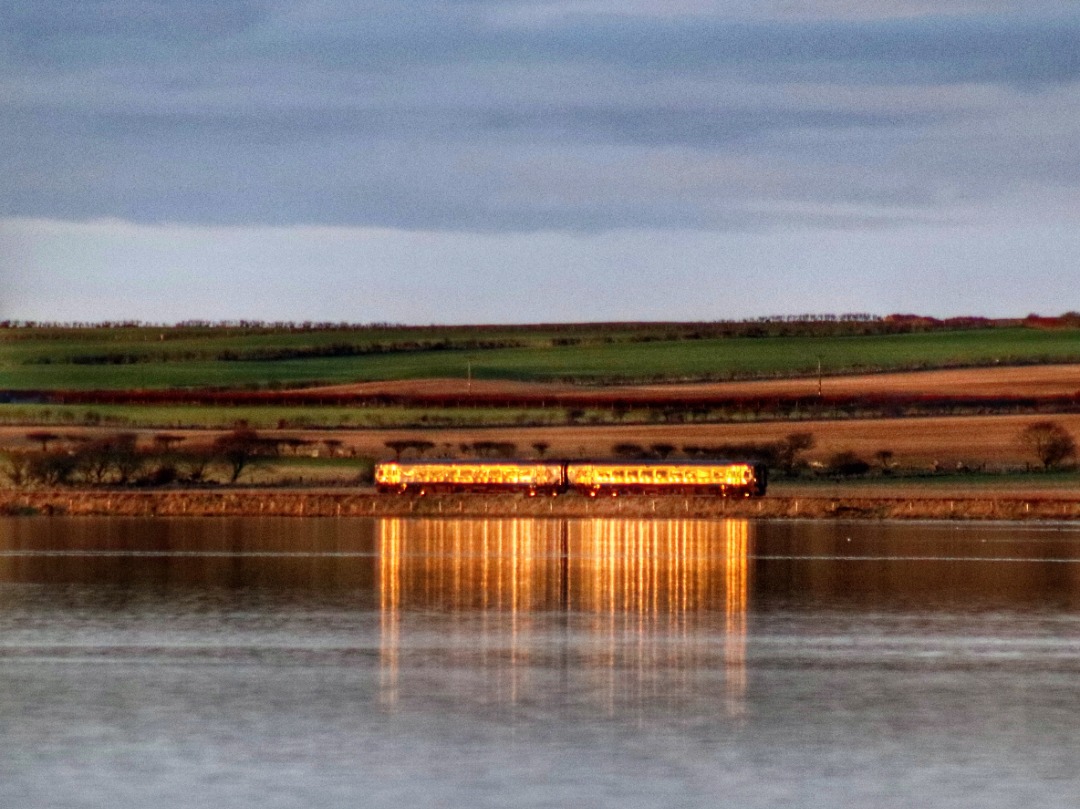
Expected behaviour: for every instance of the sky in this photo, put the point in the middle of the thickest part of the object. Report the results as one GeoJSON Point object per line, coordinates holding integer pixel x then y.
{"type": "Point", "coordinates": [514, 161]}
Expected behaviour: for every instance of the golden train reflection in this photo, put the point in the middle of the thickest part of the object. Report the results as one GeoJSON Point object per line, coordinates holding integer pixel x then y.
{"type": "Point", "coordinates": [617, 600]}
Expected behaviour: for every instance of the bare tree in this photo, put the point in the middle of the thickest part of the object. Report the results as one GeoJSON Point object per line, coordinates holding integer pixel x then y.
{"type": "Point", "coordinates": [494, 449]}
{"type": "Point", "coordinates": [16, 468]}
{"type": "Point", "coordinates": [1049, 441]}
{"type": "Point", "coordinates": [628, 449]}
{"type": "Point", "coordinates": [166, 442]}
{"type": "Point", "coordinates": [293, 443]}
{"type": "Point", "coordinates": [884, 457]}
{"type": "Point", "coordinates": [421, 446]}
{"type": "Point", "coordinates": [790, 448]}
{"type": "Point", "coordinates": [51, 469]}
{"type": "Point", "coordinates": [112, 458]}
{"type": "Point", "coordinates": [398, 446]}
{"type": "Point", "coordinates": [192, 465]}
{"type": "Point", "coordinates": [44, 437]}
{"type": "Point", "coordinates": [239, 449]}
{"type": "Point", "coordinates": [127, 462]}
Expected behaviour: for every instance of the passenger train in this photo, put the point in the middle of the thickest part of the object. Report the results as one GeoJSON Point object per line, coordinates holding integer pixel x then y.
{"type": "Point", "coordinates": [590, 478]}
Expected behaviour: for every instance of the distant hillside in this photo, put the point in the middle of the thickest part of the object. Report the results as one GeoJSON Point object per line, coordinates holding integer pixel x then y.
{"type": "Point", "coordinates": [251, 355]}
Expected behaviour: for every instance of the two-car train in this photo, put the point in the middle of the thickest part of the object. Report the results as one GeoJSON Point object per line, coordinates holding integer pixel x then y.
{"type": "Point", "coordinates": [591, 478]}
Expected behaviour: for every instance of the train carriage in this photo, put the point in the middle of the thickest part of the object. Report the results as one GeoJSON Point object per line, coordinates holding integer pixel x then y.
{"type": "Point", "coordinates": [591, 478]}
{"type": "Point", "coordinates": [421, 477]}
{"type": "Point", "coordinates": [655, 477]}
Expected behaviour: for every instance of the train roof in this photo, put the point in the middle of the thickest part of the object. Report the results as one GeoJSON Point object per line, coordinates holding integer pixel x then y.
{"type": "Point", "coordinates": [554, 461]}
{"type": "Point", "coordinates": [476, 462]}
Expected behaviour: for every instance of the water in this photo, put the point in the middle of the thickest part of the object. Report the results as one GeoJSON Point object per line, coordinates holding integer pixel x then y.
{"type": "Point", "coordinates": [521, 663]}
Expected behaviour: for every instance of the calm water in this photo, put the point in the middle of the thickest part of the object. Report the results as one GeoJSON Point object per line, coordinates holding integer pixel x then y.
{"type": "Point", "coordinates": [519, 663]}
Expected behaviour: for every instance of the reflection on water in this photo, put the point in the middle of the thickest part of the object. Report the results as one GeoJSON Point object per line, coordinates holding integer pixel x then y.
{"type": "Point", "coordinates": [278, 662]}
{"type": "Point", "coordinates": [636, 587]}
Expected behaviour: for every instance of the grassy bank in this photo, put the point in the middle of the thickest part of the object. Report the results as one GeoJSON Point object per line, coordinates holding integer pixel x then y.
{"type": "Point", "coordinates": [294, 503]}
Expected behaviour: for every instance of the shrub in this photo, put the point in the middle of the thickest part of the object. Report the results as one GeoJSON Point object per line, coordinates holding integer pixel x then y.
{"type": "Point", "coordinates": [400, 445]}
{"type": "Point", "coordinates": [847, 464]}
{"type": "Point", "coordinates": [51, 469]}
{"type": "Point", "coordinates": [16, 468]}
{"type": "Point", "coordinates": [494, 449]}
{"type": "Point", "coordinates": [1049, 441]}
{"type": "Point", "coordinates": [789, 450]}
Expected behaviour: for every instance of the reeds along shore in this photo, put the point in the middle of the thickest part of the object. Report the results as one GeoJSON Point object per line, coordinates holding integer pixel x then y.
{"type": "Point", "coordinates": [298, 503]}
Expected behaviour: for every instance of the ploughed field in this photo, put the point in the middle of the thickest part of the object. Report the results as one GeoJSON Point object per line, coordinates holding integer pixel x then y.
{"type": "Point", "coordinates": [1028, 380]}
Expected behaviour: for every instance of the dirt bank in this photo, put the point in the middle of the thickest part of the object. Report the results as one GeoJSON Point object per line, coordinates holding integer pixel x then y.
{"type": "Point", "coordinates": [299, 503]}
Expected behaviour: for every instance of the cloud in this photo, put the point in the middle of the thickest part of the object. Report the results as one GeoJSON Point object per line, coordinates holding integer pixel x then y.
{"type": "Point", "coordinates": [43, 26]}
{"type": "Point", "coordinates": [533, 116]}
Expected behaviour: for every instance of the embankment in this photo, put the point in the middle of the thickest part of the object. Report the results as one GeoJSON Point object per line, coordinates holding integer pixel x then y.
{"type": "Point", "coordinates": [311, 503]}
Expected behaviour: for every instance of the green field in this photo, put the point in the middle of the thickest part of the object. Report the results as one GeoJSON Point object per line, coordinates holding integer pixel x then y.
{"type": "Point", "coordinates": [273, 417]}
{"type": "Point", "coordinates": [99, 358]}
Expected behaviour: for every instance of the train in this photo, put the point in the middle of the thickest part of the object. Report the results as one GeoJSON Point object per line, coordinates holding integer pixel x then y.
{"type": "Point", "coordinates": [590, 478]}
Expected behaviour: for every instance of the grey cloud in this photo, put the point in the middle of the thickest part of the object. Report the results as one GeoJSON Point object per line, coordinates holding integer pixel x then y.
{"type": "Point", "coordinates": [645, 124]}
{"type": "Point", "coordinates": [1012, 50]}
{"type": "Point", "coordinates": [477, 169]}
{"type": "Point", "coordinates": [42, 23]}
{"type": "Point", "coordinates": [695, 127]}
{"type": "Point", "coordinates": [1021, 49]}
{"type": "Point", "coordinates": [445, 115]}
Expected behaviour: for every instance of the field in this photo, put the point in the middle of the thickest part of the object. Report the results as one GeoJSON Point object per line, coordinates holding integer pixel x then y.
{"type": "Point", "coordinates": [1030, 380]}
{"type": "Point", "coordinates": [41, 359]}
{"type": "Point", "coordinates": [919, 446]}
{"type": "Point", "coordinates": [1034, 381]}
{"type": "Point", "coordinates": [269, 417]}
{"type": "Point", "coordinates": [637, 367]}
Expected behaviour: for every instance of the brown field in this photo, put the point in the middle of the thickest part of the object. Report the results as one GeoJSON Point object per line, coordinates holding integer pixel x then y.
{"type": "Point", "coordinates": [916, 443]}
{"type": "Point", "coordinates": [990, 440]}
{"type": "Point", "coordinates": [1032, 380]}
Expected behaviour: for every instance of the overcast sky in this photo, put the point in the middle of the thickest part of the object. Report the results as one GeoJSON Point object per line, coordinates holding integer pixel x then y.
{"type": "Point", "coordinates": [537, 160]}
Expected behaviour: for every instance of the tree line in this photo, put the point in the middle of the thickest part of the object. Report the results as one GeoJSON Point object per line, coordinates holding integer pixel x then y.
{"type": "Point", "coordinates": [120, 459]}
{"type": "Point", "coordinates": [1048, 442]}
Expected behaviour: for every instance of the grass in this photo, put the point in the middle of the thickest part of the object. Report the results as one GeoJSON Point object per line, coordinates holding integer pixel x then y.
{"type": "Point", "coordinates": [1065, 477]}
{"type": "Point", "coordinates": [43, 361]}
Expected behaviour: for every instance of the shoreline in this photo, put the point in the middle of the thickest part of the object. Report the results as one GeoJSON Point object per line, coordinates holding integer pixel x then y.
{"type": "Point", "coordinates": [270, 502]}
